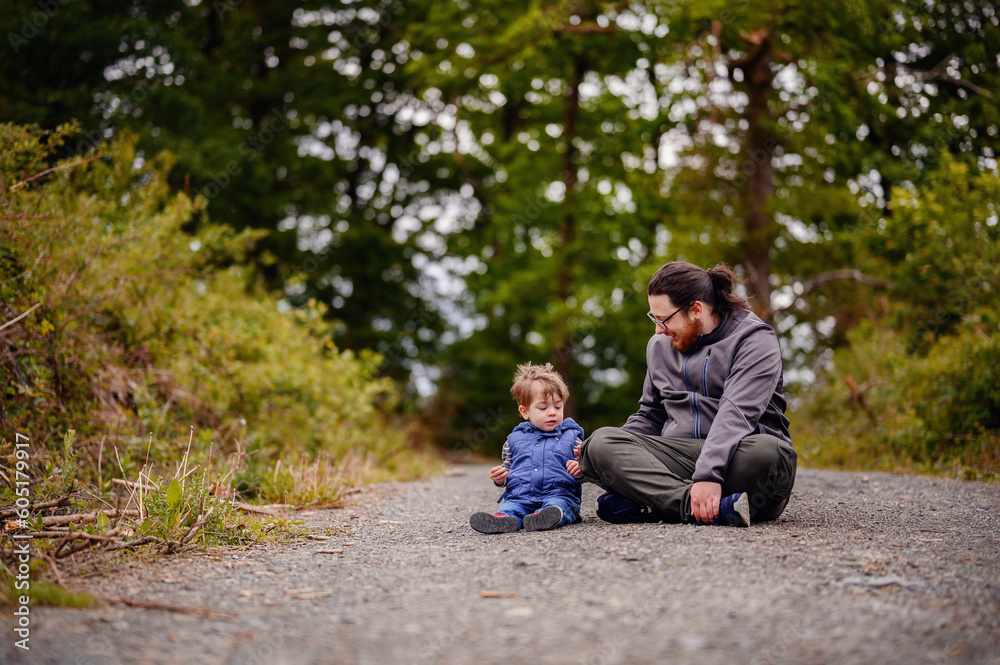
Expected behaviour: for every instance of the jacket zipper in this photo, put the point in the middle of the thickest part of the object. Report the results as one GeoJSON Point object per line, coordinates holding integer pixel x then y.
{"type": "Point", "coordinates": [704, 375]}
{"type": "Point", "coordinates": [694, 397]}
{"type": "Point", "coordinates": [697, 417]}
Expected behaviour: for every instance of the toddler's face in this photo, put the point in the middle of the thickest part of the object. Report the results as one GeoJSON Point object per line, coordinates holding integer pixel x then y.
{"type": "Point", "coordinates": [545, 411]}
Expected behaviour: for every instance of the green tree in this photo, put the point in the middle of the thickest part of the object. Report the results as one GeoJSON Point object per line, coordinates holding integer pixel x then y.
{"type": "Point", "coordinates": [555, 137]}
{"type": "Point", "coordinates": [796, 121]}
{"type": "Point", "coordinates": [284, 118]}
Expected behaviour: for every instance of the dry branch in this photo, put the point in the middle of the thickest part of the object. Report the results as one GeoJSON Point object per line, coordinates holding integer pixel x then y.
{"type": "Point", "coordinates": [175, 546]}
{"type": "Point", "coordinates": [42, 505]}
{"type": "Point", "coordinates": [199, 523]}
{"type": "Point", "coordinates": [55, 570]}
{"type": "Point", "coordinates": [88, 540]}
{"type": "Point", "coordinates": [55, 168]}
{"type": "Point", "coordinates": [207, 612]}
{"type": "Point", "coordinates": [72, 535]}
{"type": "Point", "coordinates": [133, 543]}
{"type": "Point", "coordinates": [23, 314]}
{"type": "Point", "coordinates": [832, 276]}
{"type": "Point", "coordinates": [858, 395]}
{"type": "Point", "coordinates": [845, 273]}
{"type": "Point", "coordinates": [272, 509]}
{"type": "Point", "coordinates": [86, 518]}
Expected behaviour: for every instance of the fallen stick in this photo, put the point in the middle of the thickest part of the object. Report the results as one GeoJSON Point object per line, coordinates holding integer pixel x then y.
{"type": "Point", "coordinates": [55, 570]}
{"type": "Point", "coordinates": [199, 523]}
{"type": "Point", "coordinates": [324, 506]}
{"type": "Point", "coordinates": [88, 540]}
{"type": "Point", "coordinates": [206, 612]}
{"type": "Point", "coordinates": [73, 535]}
{"type": "Point", "coordinates": [42, 505]}
{"type": "Point", "coordinates": [86, 518]}
{"type": "Point", "coordinates": [176, 546]}
{"type": "Point", "coordinates": [133, 543]}
{"type": "Point", "coordinates": [273, 509]}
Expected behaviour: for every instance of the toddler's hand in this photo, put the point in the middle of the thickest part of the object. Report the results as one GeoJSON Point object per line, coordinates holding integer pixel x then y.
{"type": "Point", "coordinates": [498, 475]}
{"type": "Point", "coordinates": [574, 468]}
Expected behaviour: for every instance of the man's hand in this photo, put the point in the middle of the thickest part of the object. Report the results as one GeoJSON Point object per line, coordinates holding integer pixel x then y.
{"type": "Point", "coordinates": [705, 497]}
{"type": "Point", "coordinates": [574, 468]}
{"type": "Point", "coordinates": [498, 475]}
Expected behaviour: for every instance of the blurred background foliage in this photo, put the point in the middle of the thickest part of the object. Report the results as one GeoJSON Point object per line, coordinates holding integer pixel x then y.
{"type": "Point", "coordinates": [359, 217]}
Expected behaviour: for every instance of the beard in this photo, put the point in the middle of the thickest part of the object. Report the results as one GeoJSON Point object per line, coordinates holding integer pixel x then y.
{"type": "Point", "coordinates": [686, 339]}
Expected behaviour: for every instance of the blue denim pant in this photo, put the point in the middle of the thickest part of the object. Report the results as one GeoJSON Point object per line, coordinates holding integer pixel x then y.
{"type": "Point", "coordinates": [518, 509]}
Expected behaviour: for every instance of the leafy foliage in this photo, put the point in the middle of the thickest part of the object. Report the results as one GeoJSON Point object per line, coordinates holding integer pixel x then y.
{"type": "Point", "coordinates": [140, 334]}
{"type": "Point", "coordinates": [927, 366]}
{"type": "Point", "coordinates": [931, 413]}
{"type": "Point", "coordinates": [173, 507]}
{"type": "Point", "coordinates": [940, 248]}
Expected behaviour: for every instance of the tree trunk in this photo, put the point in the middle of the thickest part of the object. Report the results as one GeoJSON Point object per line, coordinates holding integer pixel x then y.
{"type": "Point", "coordinates": [562, 341]}
{"type": "Point", "coordinates": [759, 173]}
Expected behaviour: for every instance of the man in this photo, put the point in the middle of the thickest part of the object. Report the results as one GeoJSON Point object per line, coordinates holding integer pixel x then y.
{"type": "Point", "coordinates": [710, 442]}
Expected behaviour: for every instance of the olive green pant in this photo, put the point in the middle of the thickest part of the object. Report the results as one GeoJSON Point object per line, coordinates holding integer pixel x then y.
{"type": "Point", "coordinates": [656, 471]}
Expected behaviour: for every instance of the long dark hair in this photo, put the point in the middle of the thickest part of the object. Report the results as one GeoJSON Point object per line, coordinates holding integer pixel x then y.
{"type": "Point", "coordinates": [685, 283]}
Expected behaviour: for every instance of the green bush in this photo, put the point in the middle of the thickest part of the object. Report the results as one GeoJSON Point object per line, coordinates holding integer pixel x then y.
{"type": "Point", "coordinates": [145, 331]}
{"type": "Point", "coordinates": [936, 412]}
{"type": "Point", "coordinates": [926, 364]}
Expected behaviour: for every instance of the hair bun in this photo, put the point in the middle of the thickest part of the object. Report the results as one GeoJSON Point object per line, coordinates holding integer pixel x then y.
{"type": "Point", "coordinates": [721, 273]}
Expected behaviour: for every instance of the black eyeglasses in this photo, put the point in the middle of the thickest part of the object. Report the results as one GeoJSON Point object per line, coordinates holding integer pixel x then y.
{"type": "Point", "coordinates": [664, 321]}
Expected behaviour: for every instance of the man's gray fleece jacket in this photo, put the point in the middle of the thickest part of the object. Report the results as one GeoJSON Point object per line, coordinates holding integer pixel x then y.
{"type": "Point", "coordinates": [726, 388]}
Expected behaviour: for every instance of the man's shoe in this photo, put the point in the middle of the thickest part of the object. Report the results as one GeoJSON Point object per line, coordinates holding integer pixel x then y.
{"type": "Point", "coordinates": [544, 519]}
{"type": "Point", "coordinates": [734, 510]}
{"type": "Point", "coordinates": [495, 523]}
{"type": "Point", "coordinates": [617, 509]}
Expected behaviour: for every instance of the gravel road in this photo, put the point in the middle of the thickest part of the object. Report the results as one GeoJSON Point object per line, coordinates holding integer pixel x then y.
{"type": "Point", "coordinates": [861, 568]}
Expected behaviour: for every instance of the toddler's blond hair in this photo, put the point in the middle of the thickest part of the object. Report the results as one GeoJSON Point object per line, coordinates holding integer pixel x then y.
{"type": "Point", "coordinates": [528, 375]}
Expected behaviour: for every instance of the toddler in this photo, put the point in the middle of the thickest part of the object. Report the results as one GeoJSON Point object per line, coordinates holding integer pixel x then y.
{"type": "Point", "coordinates": [540, 472]}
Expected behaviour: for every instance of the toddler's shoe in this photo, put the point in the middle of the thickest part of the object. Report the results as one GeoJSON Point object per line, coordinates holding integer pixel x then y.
{"type": "Point", "coordinates": [493, 523]}
{"type": "Point", "coordinates": [544, 519]}
{"type": "Point", "coordinates": [617, 509]}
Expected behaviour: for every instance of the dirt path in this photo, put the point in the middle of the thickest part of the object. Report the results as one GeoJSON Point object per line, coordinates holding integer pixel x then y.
{"type": "Point", "coordinates": [860, 569]}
